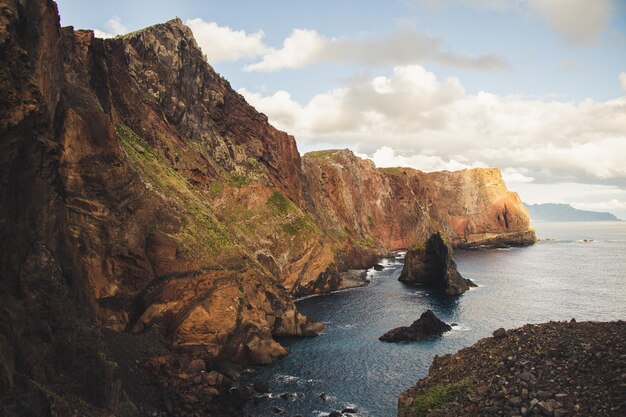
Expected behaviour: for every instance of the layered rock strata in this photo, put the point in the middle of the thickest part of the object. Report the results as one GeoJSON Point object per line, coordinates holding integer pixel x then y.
{"type": "Point", "coordinates": [394, 208]}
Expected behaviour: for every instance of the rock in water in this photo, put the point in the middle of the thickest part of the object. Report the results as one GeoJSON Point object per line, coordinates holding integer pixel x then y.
{"type": "Point", "coordinates": [428, 325]}
{"type": "Point", "coordinates": [432, 265]}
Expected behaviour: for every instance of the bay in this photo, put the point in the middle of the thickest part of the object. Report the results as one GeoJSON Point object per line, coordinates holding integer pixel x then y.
{"type": "Point", "coordinates": [575, 270]}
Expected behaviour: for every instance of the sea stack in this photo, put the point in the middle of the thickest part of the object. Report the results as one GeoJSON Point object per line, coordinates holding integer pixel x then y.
{"type": "Point", "coordinates": [428, 325]}
{"type": "Point", "coordinates": [431, 264]}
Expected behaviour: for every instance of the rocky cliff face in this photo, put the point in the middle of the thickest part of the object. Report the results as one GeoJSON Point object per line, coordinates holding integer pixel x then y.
{"type": "Point", "coordinates": [139, 193]}
{"type": "Point", "coordinates": [394, 208]}
{"type": "Point", "coordinates": [138, 189]}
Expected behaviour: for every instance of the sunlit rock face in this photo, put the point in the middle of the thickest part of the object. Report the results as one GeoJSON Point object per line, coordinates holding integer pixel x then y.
{"type": "Point", "coordinates": [394, 208]}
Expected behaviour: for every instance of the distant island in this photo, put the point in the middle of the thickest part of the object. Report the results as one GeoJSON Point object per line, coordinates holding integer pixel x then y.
{"type": "Point", "coordinates": [550, 212]}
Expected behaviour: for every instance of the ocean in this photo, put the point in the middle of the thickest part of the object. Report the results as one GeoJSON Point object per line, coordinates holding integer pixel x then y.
{"type": "Point", "coordinates": [576, 270]}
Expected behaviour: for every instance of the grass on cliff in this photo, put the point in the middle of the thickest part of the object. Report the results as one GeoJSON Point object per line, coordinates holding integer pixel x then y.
{"type": "Point", "coordinates": [321, 154]}
{"type": "Point", "coordinates": [438, 397]}
{"type": "Point", "coordinates": [294, 221]}
{"type": "Point", "coordinates": [201, 233]}
{"type": "Point", "coordinates": [392, 170]}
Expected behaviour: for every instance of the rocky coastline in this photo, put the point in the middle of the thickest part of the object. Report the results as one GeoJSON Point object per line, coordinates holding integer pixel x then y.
{"type": "Point", "coordinates": [554, 369]}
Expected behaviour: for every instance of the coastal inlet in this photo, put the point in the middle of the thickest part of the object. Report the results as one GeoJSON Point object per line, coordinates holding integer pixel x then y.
{"type": "Point", "coordinates": [348, 367]}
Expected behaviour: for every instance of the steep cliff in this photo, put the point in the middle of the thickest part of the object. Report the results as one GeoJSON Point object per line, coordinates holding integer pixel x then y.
{"type": "Point", "coordinates": [138, 189]}
{"type": "Point", "coordinates": [145, 204]}
{"type": "Point", "coordinates": [394, 208]}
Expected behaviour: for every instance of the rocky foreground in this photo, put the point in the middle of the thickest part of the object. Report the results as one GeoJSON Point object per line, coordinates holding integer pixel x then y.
{"type": "Point", "coordinates": [552, 369]}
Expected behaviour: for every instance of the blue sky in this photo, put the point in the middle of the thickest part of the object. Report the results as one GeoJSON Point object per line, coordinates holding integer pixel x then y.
{"type": "Point", "coordinates": [530, 86]}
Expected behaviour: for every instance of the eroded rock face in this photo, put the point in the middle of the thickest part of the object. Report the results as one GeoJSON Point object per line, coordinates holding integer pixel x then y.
{"type": "Point", "coordinates": [394, 208]}
{"type": "Point", "coordinates": [477, 208]}
{"type": "Point", "coordinates": [137, 190]}
{"type": "Point", "coordinates": [427, 326]}
{"type": "Point", "coordinates": [431, 264]}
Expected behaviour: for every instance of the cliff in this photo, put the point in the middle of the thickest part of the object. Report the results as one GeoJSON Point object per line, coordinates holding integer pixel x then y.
{"type": "Point", "coordinates": [138, 189]}
{"type": "Point", "coordinates": [144, 203]}
{"type": "Point", "coordinates": [394, 208]}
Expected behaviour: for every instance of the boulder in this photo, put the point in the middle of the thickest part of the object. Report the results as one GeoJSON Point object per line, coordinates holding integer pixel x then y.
{"type": "Point", "coordinates": [499, 333]}
{"type": "Point", "coordinates": [432, 265]}
{"type": "Point", "coordinates": [428, 325]}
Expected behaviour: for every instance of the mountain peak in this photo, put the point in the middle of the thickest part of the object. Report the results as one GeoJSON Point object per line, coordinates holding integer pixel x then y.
{"type": "Point", "coordinates": [174, 29]}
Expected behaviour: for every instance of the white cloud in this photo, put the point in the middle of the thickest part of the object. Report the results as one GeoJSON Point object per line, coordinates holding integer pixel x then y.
{"type": "Point", "coordinates": [404, 46]}
{"type": "Point", "coordinates": [578, 21]}
{"type": "Point", "coordinates": [113, 28]}
{"type": "Point", "coordinates": [480, 4]}
{"type": "Point", "coordinates": [489, 4]}
{"type": "Point", "coordinates": [387, 157]}
{"type": "Point", "coordinates": [221, 43]}
{"type": "Point", "coordinates": [516, 176]}
{"type": "Point", "coordinates": [622, 80]}
{"type": "Point", "coordinates": [412, 118]}
{"type": "Point", "coordinates": [611, 205]}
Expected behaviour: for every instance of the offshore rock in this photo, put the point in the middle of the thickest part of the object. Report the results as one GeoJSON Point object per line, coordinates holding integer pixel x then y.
{"type": "Point", "coordinates": [432, 265]}
{"type": "Point", "coordinates": [427, 326]}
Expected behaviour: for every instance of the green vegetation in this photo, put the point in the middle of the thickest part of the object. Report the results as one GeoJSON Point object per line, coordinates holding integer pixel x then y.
{"type": "Point", "coordinates": [438, 396]}
{"type": "Point", "coordinates": [238, 180]}
{"type": "Point", "coordinates": [321, 154]}
{"type": "Point", "coordinates": [366, 242]}
{"type": "Point", "coordinates": [205, 231]}
{"type": "Point", "coordinates": [419, 247]}
{"type": "Point", "coordinates": [392, 170]}
{"type": "Point", "coordinates": [294, 221]}
{"type": "Point", "coordinates": [435, 226]}
{"type": "Point", "coordinates": [299, 225]}
{"type": "Point", "coordinates": [370, 221]}
{"type": "Point", "coordinates": [201, 233]}
{"type": "Point", "coordinates": [280, 204]}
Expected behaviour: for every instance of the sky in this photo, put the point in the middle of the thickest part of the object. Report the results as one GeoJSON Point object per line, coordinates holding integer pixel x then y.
{"type": "Point", "coordinates": [536, 88]}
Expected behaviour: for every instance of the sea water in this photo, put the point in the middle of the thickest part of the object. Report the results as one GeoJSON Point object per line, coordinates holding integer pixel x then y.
{"type": "Point", "coordinates": [575, 270]}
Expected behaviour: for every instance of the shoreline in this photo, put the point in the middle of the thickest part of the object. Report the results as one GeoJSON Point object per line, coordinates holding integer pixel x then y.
{"type": "Point", "coordinates": [552, 369]}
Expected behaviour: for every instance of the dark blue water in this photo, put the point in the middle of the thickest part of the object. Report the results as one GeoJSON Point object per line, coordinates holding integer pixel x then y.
{"type": "Point", "coordinates": [552, 280]}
